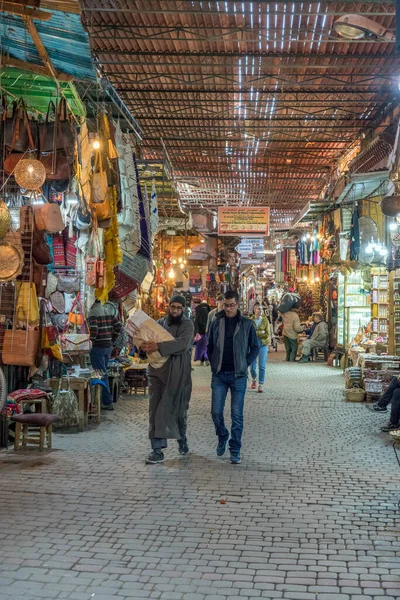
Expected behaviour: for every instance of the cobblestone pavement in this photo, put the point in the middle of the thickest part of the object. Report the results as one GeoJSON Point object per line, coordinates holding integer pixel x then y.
{"type": "Point", "coordinates": [310, 514]}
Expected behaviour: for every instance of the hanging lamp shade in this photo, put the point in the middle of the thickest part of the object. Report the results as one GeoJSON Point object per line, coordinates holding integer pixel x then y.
{"type": "Point", "coordinates": [390, 206]}
{"type": "Point", "coordinates": [30, 174]}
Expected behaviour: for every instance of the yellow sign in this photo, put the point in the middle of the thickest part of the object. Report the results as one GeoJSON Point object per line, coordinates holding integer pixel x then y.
{"type": "Point", "coordinates": [243, 220]}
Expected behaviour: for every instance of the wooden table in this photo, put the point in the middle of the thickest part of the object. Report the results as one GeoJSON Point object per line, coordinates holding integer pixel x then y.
{"type": "Point", "coordinates": [81, 387]}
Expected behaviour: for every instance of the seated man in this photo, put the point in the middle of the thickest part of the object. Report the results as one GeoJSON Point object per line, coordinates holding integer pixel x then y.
{"type": "Point", "coordinates": [319, 337]}
{"type": "Point", "coordinates": [392, 394]}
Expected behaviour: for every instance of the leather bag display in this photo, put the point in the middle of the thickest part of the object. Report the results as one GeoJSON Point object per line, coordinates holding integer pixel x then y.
{"type": "Point", "coordinates": [68, 284]}
{"type": "Point", "coordinates": [56, 165]}
{"type": "Point", "coordinates": [48, 217]}
{"type": "Point", "coordinates": [73, 341]}
{"type": "Point", "coordinates": [20, 346]}
{"type": "Point", "coordinates": [58, 134]}
{"type": "Point", "coordinates": [18, 129]}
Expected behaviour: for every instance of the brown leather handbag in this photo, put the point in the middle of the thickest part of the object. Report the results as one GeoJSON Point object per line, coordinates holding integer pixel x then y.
{"type": "Point", "coordinates": [56, 165]}
{"type": "Point", "coordinates": [18, 129]}
{"type": "Point", "coordinates": [58, 134]}
{"type": "Point", "coordinates": [48, 217]}
{"type": "Point", "coordinates": [13, 158]}
{"type": "Point", "coordinates": [20, 346]}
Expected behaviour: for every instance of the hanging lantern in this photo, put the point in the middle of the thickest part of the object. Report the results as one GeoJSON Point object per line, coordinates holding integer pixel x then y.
{"type": "Point", "coordinates": [30, 174]}
{"type": "Point", "coordinates": [390, 206]}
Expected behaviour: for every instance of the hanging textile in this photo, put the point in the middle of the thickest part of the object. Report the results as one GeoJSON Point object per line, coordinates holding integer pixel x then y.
{"type": "Point", "coordinates": [145, 234]}
{"type": "Point", "coordinates": [129, 218]}
{"type": "Point", "coordinates": [154, 211]}
{"type": "Point", "coordinates": [355, 235]}
{"type": "Point", "coordinates": [147, 212]}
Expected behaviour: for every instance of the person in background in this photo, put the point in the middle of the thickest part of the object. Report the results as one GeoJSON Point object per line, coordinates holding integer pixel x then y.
{"type": "Point", "coordinates": [275, 315]}
{"type": "Point", "coordinates": [212, 314]}
{"type": "Point", "coordinates": [105, 327]}
{"type": "Point", "coordinates": [200, 330]}
{"type": "Point", "coordinates": [232, 347]}
{"type": "Point", "coordinates": [170, 386]}
{"type": "Point", "coordinates": [291, 329]}
{"type": "Point", "coordinates": [319, 337]}
{"type": "Point", "coordinates": [263, 331]}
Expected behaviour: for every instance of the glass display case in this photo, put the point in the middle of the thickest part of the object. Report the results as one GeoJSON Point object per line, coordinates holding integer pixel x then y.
{"type": "Point", "coordinates": [354, 307]}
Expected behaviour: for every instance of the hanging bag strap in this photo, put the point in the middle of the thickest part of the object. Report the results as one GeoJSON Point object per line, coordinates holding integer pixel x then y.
{"type": "Point", "coordinates": [50, 107]}
{"type": "Point", "coordinates": [21, 107]}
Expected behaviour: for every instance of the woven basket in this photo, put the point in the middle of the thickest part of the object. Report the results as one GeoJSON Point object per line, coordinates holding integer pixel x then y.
{"type": "Point", "coordinates": [372, 397]}
{"type": "Point", "coordinates": [354, 395]}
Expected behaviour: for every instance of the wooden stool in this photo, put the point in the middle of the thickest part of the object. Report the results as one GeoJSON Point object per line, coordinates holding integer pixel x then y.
{"type": "Point", "coordinates": [317, 352]}
{"type": "Point", "coordinates": [43, 421]}
{"type": "Point", "coordinates": [95, 404]}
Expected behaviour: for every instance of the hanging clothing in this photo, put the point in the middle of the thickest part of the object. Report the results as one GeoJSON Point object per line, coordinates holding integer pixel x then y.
{"type": "Point", "coordinates": [355, 235]}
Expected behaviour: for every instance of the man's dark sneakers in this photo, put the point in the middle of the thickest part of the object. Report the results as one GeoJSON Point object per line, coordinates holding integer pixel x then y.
{"type": "Point", "coordinates": [183, 447]}
{"type": "Point", "coordinates": [376, 408]}
{"type": "Point", "coordinates": [235, 458]}
{"type": "Point", "coordinates": [389, 427]}
{"type": "Point", "coordinates": [155, 457]}
{"type": "Point", "coordinates": [221, 448]}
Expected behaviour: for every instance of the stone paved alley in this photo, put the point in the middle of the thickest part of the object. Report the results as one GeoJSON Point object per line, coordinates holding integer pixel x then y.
{"type": "Point", "coordinates": [311, 513]}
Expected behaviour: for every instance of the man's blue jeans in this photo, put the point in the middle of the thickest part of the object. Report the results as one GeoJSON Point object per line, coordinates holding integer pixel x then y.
{"type": "Point", "coordinates": [99, 358]}
{"type": "Point", "coordinates": [220, 384]}
{"type": "Point", "coordinates": [262, 364]}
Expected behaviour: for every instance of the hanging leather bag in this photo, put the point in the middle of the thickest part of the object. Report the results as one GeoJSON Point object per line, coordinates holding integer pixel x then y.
{"type": "Point", "coordinates": [56, 165]}
{"type": "Point", "coordinates": [58, 134]}
{"type": "Point", "coordinates": [13, 157]}
{"type": "Point", "coordinates": [41, 251]}
{"type": "Point", "coordinates": [20, 346]}
{"type": "Point", "coordinates": [18, 129]}
{"type": "Point", "coordinates": [48, 217]}
{"type": "Point", "coordinates": [99, 180]}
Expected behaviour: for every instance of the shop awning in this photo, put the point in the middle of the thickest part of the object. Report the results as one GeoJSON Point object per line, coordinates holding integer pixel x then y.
{"type": "Point", "coordinates": [364, 185]}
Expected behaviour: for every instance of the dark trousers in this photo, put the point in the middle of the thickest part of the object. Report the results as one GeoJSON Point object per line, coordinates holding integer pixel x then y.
{"type": "Point", "coordinates": [99, 358]}
{"type": "Point", "coordinates": [220, 384]}
{"type": "Point", "coordinates": [392, 395]}
{"type": "Point", "coordinates": [291, 347]}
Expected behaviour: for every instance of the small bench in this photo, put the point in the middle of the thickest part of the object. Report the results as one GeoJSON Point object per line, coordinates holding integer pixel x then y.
{"type": "Point", "coordinates": [28, 423]}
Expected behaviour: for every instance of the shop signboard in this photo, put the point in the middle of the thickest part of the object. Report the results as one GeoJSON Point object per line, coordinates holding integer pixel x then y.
{"type": "Point", "coordinates": [241, 220]}
{"type": "Point", "coordinates": [250, 247]}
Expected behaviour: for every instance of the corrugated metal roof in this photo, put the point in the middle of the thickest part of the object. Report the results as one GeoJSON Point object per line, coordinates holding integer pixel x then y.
{"type": "Point", "coordinates": [63, 36]}
{"type": "Point", "coordinates": [38, 90]}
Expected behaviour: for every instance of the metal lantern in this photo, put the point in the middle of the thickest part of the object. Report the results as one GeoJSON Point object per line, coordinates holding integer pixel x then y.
{"type": "Point", "coordinates": [30, 174]}
{"type": "Point", "coordinates": [390, 206]}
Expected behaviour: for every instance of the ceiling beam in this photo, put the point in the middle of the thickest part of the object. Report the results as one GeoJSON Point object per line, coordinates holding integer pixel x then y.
{"type": "Point", "coordinates": [264, 120]}
{"type": "Point", "coordinates": [33, 32]}
{"type": "Point", "coordinates": [262, 91]}
{"type": "Point", "coordinates": [295, 55]}
{"type": "Point", "coordinates": [10, 61]}
{"type": "Point", "coordinates": [24, 11]}
{"type": "Point", "coordinates": [233, 65]}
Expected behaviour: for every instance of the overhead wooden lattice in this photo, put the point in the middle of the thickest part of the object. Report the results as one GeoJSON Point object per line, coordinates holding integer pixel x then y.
{"type": "Point", "coordinates": [255, 101]}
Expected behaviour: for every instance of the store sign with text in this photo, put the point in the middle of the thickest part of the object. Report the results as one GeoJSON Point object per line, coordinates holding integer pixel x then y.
{"type": "Point", "coordinates": [243, 220]}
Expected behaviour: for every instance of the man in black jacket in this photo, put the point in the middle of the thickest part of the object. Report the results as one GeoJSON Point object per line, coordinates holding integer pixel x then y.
{"type": "Point", "coordinates": [232, 347]}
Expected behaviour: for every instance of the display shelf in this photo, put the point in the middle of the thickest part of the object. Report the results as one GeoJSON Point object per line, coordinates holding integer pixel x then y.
{"type": "Point", "coordinates": [380, 303]}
